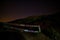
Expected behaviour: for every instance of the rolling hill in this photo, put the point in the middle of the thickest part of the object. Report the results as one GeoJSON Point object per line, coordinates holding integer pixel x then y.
{"type": "Point", "coordinates": [50, 25]}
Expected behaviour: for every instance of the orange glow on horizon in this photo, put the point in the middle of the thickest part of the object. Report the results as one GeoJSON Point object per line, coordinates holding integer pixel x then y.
{"type": "Point", "coordinates": [6, 19]}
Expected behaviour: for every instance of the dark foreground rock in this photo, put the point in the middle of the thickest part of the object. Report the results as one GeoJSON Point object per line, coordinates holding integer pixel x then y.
{"type": "Point", "coordinates": [11, 36]}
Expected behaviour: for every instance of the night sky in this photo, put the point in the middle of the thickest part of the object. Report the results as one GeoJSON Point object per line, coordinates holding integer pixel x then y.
{"type": "Point", "coordinates": [12, 10]}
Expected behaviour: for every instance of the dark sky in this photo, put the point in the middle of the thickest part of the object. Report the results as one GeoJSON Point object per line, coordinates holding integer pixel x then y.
{"type": "Point", "coordinates": [12, 10]}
